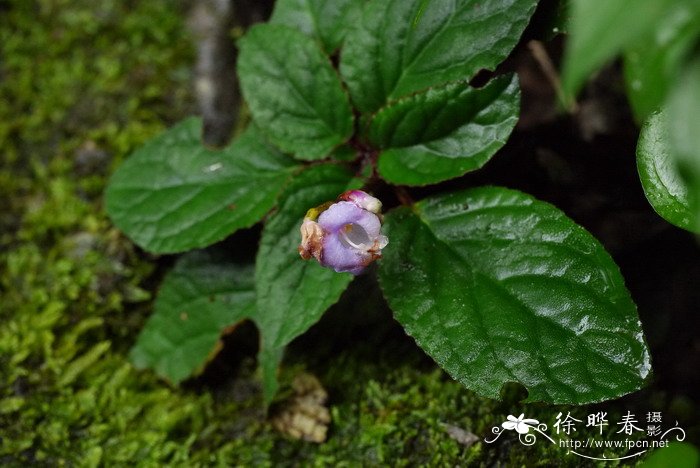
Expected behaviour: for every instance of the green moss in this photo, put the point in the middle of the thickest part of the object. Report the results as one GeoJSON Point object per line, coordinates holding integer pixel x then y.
{"type": "Point", "coordinates": [82, 84]}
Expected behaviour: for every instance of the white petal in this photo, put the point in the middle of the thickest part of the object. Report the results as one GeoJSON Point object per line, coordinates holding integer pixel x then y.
{"type": "Point", "coordinates": [522, 428]}
{"type": "Point", "coordinates": [508, 425]}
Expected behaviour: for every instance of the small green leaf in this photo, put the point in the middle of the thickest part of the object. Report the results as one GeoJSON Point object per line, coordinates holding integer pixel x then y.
{"type": "Point", "coordinates": [652, 63]}
{"type": "Point", "coordinates": [663, 186]}
{"type": "Point", "coordinates": [601, 30]}
{"type": "Point", "coordinates": [293, 293]}
{"type": "Point", "coordinates": [444, 132]}
{"type": "Point", "coordinates": [499, 287]}
{"type": "Point", "coordinates": [173, 194]}
{"type": "Point", "coordinates": [684, 137]}
{"type": "Point", "coordinates": [293, 92]}
{"type": "Point", "coordinates": [403, 46]}
{"type": "Point", "coordinates": [198, 299]}
{"type": "Point", "coordinates": [327, 21]}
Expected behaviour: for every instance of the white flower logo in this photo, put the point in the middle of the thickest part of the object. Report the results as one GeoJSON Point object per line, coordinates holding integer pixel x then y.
{"type": "Point", "coordinates": [519, 424]}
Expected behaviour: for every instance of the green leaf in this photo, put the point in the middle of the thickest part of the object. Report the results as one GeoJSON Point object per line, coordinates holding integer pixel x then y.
{"type": "Point", "coordinates": [327, 21]}
{"type": "Point", "coordinates": [652, 63]}
{"type": "Point", "coordinates": [173, 194]}
{"type": "Point", "coordinates": [293, 293]}
{"type": "Point", "coordinates": [293, 92]}
{"type": "Point", "coordinates": [269, 360]}
{"type": "Point", "coordinates": [684, 137]}
{"type": "Point", "coordinates": [403, 46]}
{"type": "Point", "coordinates": [444, 132]}
{"type": "Point", "coordinates": [677, 455]}
{"type": "Point", "coordinates": [204, 295]}
{"type": "Point", "coordinates": [601, 30]}
{"type": "Point", "coordinates": [198, 299]}
{"type": "Point", "coordinates": [499, 287]}
{"type": "Point", "coordinates": [663, 186]}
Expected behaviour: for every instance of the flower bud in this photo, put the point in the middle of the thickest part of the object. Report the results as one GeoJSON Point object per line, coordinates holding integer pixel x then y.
{"type": "Point", "coordinates": [363, 200]}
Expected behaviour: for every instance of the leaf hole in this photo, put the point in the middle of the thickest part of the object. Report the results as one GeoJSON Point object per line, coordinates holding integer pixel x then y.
{"type": "Point", "coordinates": [513, 393]}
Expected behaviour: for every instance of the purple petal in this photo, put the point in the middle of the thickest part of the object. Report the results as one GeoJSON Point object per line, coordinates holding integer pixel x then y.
{"type": "Point", "coordinates": [341, 257]}
{"type": "Point", "coordinates": [345, 235]}
{"type": "Point", "coordinates": [342, 213]}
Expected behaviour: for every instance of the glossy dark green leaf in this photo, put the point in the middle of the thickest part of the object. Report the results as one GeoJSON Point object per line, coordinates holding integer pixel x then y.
{"type": "Point", "coordinates": [173, 194]}
{"type": "Point", "coordinates": [198, 299]}
{"type": "Point", "coordinates": [292, 294]}
{"type": "Point", "coordinates": [444, 132]}
{"type": "Point", "coordinates": [601, 30]}
{"type": "Point", "coordinates": [499, 287]}
{"type": "Point", "coordinates": [327, 21]}
{"type": "Point", "coordinates": [683, 131]}
{"type": "Point", "coordinates": [652, 63]}
{"type": "Point", "coordinates": [294, 93]}
{"type": "Point", "coordinates": [663, 186]}
{"type": "Point", "coordinates": [403, 46]}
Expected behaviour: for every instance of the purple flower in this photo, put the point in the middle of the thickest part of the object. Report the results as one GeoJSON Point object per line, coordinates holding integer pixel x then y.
{"type": "Point", "coordinates": [344, 235]}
